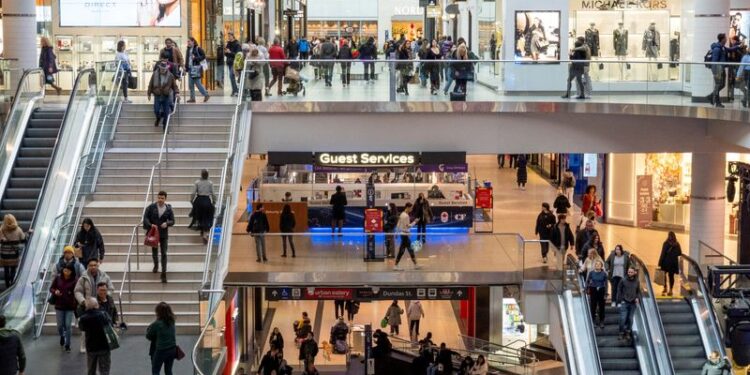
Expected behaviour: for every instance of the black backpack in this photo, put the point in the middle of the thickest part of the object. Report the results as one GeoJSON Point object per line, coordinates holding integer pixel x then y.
{"type": "Point", "coordinates": [708, 58]}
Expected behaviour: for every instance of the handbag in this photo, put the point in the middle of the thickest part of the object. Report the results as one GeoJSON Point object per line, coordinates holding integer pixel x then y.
{"type": "Point", "coordinates": [152, 237]}
{"type": "Point", "coordinates": [132, 82]}
{"type": "Point", "coordinates": [52, 299]}
{"type": "Point", "coordinates": [660, 277]}
{"type": "Point", "coordinates": [598, 209]}
{"type": "Point", "coordinates": [195, 71]}
{"type": "Point", "coordinates": [113, 341]}
{"type": "Point", "coordinates": [179, 354]}
{"type": "Point", "coordinates": [204, 64]}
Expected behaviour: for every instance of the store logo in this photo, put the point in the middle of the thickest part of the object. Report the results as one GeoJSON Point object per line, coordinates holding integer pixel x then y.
{"type": "Point", "coordinates": [407, 11]}
{"type": "Point", "coordinates": [623, 4]}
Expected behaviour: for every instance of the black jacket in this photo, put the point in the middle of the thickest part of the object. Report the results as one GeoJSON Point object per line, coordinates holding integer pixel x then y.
{"type": "Point", "coordinates": [391, 219]}
{"type": "Point", "coordinates": [368, 51]}
{"type": "Point", "coordinates": [544, 223]}
{"type": "Point", "coordinates": [338, 201]}
{"type": "Point", "coordinates": [345, 53]}
{"type": "Point", "coordinates": [12, 355]}
{"type": "Point", "coordinates": [557, 240]}
{"type": "Point", "coordinates": [198, 56]}
{"type": "Point", "coordinates": [108, 308]}
{"type": "Point", "coordinates": [308, 349]}
{"type": "Point", "coordinates": [151, 216]}
{"type": "Point", "coordinates": [277, 340]}
{"type": "Point", "coordinates": [258, 223]}
{"type": "Point", "coordinates": [583, 237]}
{"type": "Point", "coordinates": [269, 364]}
{"type": "Point", "coordinates": [628, 289]}
{"type": "Point", "coordinates": [287, 223]}
{"type": "Point", "coordinates": [561, 204]}
{"type": "Point", "coordinates": [670, 255]}
{"type": "Point", "coordinates": [234, 48]}
{"type": "Point", "coordinates": [292, 50]}
{"type": "Point", "coordinates": [93, 322]}
{"type": "Point", "coordinates": [92, 244]}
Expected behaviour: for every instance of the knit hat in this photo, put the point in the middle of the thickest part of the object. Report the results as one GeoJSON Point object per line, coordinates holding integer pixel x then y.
{"type": "Point", "coordinates": [69, 249]}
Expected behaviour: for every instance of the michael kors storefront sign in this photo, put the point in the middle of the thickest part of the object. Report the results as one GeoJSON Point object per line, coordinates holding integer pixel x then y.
{"type": "Point", "coordinates": [623, 4]}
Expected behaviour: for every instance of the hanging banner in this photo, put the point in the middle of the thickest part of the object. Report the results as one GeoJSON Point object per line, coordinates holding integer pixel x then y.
{"type": "Point", "coordinates": [645, 203]}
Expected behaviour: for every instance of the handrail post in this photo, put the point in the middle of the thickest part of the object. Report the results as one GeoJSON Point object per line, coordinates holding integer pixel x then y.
{"type": "Point", "coordinates": [137, 249]}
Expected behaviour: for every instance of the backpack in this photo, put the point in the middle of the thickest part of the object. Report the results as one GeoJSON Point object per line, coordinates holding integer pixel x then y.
{"type": "Point", "coordinates": [239, 62]}
{"type": "Point", "coordinates": [708, 58]}
{"type": "Point", "coordinates": [304, 46]}
{"type": "Point", "coordinates": [340, 347]}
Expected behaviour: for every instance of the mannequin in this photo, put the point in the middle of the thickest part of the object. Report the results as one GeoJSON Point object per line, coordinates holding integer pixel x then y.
{"type": "Point", "coordinates": [674, 49]}
{"type": "Point", "coordinates": [651, 41]}
{"type": "Point", "coordinates": [620, 36]}
{"type": "Point", "coordinates": [592, 39]}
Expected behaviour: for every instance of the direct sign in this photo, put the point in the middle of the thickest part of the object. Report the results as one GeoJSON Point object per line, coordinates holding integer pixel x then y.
{"type": "Point", "coordinates": [366, 159]}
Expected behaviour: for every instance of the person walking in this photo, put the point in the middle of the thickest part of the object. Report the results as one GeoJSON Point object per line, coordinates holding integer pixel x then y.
{"type": "Point", "coordinates": [345, 54]}
{"type": "Point", "coordinates": [628, 295]}
{"type": "Point", "coordinates": [93, 323]}
{"type": "Point", "coordinates": [255, 74]}
{"type": "Point", "coordinates": [561, 203]}
{"type": "Point", "coordinates": [262, 47]}
{"type": "Point", "coordinates": [258, 226]}
{"type": "Point", "coordinates": [568, 183]}
{"type": "Point", "coordinates": [173, 55]}
{"type": "Point", "coordinates": [220, 62]}
{"type": "Point", "coordinates": [68, 258]}
{"type": "Point", "coordinates": [669, 262]}
{"type": "Point", "coordinates": [87, 285]}
{"type": "Point", "coordinates": [338, 209]}
{"type": "Point", "coordinates": [352, 308]}
{"type": "Point", "coordinates": [195, 67]}
{"type": "Point", "coordinates": [433, 66]}
{"type": "Point", "coordinates": [405, 67]}
{"type": "Point", "coordinates": [562, 236]}
{"type": "Point", "coordinates": [303, 45]}
{"type": "Point", "coordinates": [203, 200]}
{"type": "Point", "coordinates": [423, 214]}
{"type": "Point", "coordinates": [269, 364]}
{"type": "Point", "coordinates": [308, 350]}
{"type": "Point", "coordinates": [596, 285]}
{"type": "Point", "coordinates": [162, 335]}
{"type": "Point", "coordinates": [521, 173]}
{"type": "Point", "coordinates": [415, 313]}
{"type": "Point", "coordinates": [292, 50]}
{"type": "Point", "coordinates": [276, 340]}
{"type": "Point", "coordinates": [328, 52]}
{"type": "Point", "coordinates": [287, 222]}
{"type": "Point", "coordinates": [62, 290]}
{"type": "Point", "coordinates": [718, 56]}
{"type": "Point", "coordinates": [404, 228]}
{"type": "Point", "coordinates": [715, 365]}
{"type": "Point", "coordinates": [389, 227]}
{"type": "Point", "coordinates": [106, 303]}
{"type": "Point", "coordinates": [231, 50]}
{"type": "Point", "coordinates": [590, 201]}
{"type": "Point", "coordinates": [368, 52]}
{"type": "Point", "coordinates": [48, 63]}
{"type": "Point", "coordinates": [278, 66]}
{"type": "Point", "coordinates": [90, 241]}
{"type": "Point", "coordinates": [163, 86]}
{"type": "Point", "coordinates": [159, 215]}
{"type": "Point", "coordinates": [393, 314]}
{"type": "Point", "coordinates": [11, 240]}
{"type": "Point", "coordinates": [575, 70]}
{"type": "Point", "coordinates": [12, 354]}
{"type": "Point", "coordinates": [617, 264]}
{"type": "Point", "coordinates": [125, 69]}
{"type": "Point", "coordinates": [545, 222]}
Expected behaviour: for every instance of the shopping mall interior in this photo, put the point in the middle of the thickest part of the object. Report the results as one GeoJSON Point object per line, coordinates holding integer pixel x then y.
{"type": "Point", "coordinates": [375, 187]}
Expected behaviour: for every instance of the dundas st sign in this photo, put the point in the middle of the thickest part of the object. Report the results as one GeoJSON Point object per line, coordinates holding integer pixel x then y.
{"type": "Point", "coordinates": [371, 159]}
{"type": "Point", "coordinates": [624, 4]}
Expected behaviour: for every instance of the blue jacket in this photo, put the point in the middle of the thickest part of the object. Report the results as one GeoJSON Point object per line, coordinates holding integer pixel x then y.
{"type": "Point", "coordinates": [744, 68]}
{"type": "Point", "coordinates": [718, 52]}
{"type": "Point", "coordinates": [597, 279]}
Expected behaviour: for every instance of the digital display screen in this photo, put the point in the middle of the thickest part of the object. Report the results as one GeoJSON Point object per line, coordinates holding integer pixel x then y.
{"type": "Point", "coordinates": [120, 13]}
{"type": "Point", "coordinates": [537, 36]}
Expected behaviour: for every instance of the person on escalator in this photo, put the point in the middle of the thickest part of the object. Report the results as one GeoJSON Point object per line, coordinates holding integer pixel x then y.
{"type": "Point", "coordinates": [480, 366]}
{"type": "Point", "coordinates": [617, 263]}
{"type": "Point", "coordinates": [596, 286]}
{"type": "Point", "coordinates": [445, 359]}
{"type": "Point", "coordinates": [11, 237]}
{"type": "Point", "coordinates": [715, 365]}
{"type": "Point", "coordinates": [628, 295]}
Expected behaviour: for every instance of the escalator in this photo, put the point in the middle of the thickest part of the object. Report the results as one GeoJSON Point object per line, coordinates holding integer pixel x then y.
{"type": "Point", "coordinates": [29, 170]}
{"type": "Point", "coordinates": [617, 356]}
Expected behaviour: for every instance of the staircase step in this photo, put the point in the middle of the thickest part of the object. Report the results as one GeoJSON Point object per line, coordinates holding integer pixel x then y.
{"type": "Point", "coordinates": [172, 144]}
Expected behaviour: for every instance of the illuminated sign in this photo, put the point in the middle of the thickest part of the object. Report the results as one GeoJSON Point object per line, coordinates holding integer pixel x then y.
{"type": "Point", "coordinates": [348, 159]}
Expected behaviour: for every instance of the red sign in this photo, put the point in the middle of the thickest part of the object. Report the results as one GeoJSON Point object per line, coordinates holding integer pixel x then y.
{"type": "Point", "coordinates": [328, 293]}
{"type": "Point", "coordinates": [483, 197]}
{"type": "Point", "coordinates": [373, 220]}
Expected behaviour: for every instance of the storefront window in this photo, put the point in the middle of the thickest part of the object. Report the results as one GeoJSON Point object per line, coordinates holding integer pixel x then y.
{"type": "Point", "coordinates": [358, 31]}
{"type": "Point", "coordinates": [670, 174]}
{"type": "Point", "coordinates": [410, 29]}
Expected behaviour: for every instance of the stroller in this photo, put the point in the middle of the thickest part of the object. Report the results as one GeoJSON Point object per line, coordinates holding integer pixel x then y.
{"type": "Point", "coordinates": [295, 82]}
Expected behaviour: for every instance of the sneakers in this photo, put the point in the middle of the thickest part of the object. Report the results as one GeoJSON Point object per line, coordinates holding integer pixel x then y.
{"type": "Point", "coordinates": [67, 348]}
{"type": "Point", "coordinates": [417, 267]}
{"type": "Point", "coordinates": [544, 260]}
{"type": "Point", "coordinates": [397, 268]}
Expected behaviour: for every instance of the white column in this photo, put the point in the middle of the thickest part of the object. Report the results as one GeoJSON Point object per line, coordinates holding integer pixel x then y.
{"type": "Point", "coordinates": [19, 32]}
{"type": "Point", "coordinates": [707, 202]}
{"type": "Point", "coordinates": [271, 21]}
{"type": "Point", "coordinates": [709, 18]}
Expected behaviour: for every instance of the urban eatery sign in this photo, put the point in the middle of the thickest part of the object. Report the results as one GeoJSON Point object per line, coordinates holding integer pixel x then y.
{"type": "Point", "coordinates": [366, 159]}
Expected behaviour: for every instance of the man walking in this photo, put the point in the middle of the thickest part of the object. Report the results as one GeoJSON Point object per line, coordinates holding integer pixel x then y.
{"type": "Point", "coordinates": [258, 226]}
{"type": "Point", "coordinates": [159, 215]}
{"type": "Point", "coordinates": [415, 312]}
{"type": "Point", "coordinates": [92, 322]}
{"type": "Point", "coordinates": [719, 55]}
{"type": "Point", "coordinates": [233, 47]}
{"type": "Point", "coordinates": [86, 287]}
{"type": "Point", "coordinates": [628, 294]}
{"type": "Point", "coordinates": [12, 356]}
{"type": "Point", "coordinates": [544, 224]}
{"type": "Point", "coordinates": [404, 227]}
{"type": "Point", "coordinates": [328, 51]}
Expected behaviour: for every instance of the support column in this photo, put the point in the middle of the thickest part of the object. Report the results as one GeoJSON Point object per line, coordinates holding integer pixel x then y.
{"type": "Point", "coordinates": [705, 20]}
{"type": "Point", "coordinates": [19, 32]}
{"type": "Point", "coordinates": [707, 202]}
{"type": "Point", "coordinates": [496, 314]}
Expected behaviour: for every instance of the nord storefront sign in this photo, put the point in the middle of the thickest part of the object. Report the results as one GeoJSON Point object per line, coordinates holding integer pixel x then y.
{"type": "Point", "coordinates": [367, 294]}
{"type": "Point", "coordinates": [366, 159]}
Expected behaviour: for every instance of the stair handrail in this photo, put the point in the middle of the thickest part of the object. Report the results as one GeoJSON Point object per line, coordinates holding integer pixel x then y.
{"type": "Point", "coordinates": [653, 321]}
{"type": "Point", "coordinates": [522, 353]}
{"type": "Point", "coordinates": [715, 341]}
{"type": "Point", "coordinates": [716, 253]}
{"type": "Point", "coordinates": [579, 285]}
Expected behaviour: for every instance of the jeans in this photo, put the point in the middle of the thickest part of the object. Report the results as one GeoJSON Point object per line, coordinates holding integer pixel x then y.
{"type": "Point", "coordinates": [414, 327]}
{"type": "Point", "coordinates": [627, 309]}
{"type": "Point", "coordinates": [102, 360]}
{"type": "Point", "coordinates": [163, 245]}
{"type": "Point", "coordinates": [164, 357]}
{"type": "Point", "coordinates": [284, 239]}
{"type": "Point", "coordinates": [233, 79]}
{"type": "Point", "coordinates": [219, 73]}
{"type": "Point", "coordinates": [266, 74]}
{"type": "Point", "coordinates": [64, 323]}
{"type": "Point", "coordinates": [124, 82]}
{"type": "Point", "coordinates": [327, 72]}
{"type": "Point", "coordinates": [578, 77]}
{"type": "Point", "coordinates": [369, 67]}
{"type": "Point", "coordinates": [545, 248]}
{"type": "Point", "coordinates": [614, 282]}
{"type": "Point", "coordinates": [192, 82]}
{"type": "Point", "coordinates": [405, 245]}
{"type": "Point", "coordinates": [163, 107]}
{"type": "Point", "coordinates": [260, 246]}
{"type": "Point", "coordinates": [346, 70]}
{"type": "Point", "coordinates": [422, 230]}
{"type": "Point", "coordinates": [448, 78]}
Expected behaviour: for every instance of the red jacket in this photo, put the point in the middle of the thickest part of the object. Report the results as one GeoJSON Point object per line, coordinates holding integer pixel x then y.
{"type": "Point", "coordinates": [67, 300]}
{"type": "Point", "coordinates": [277, 53]}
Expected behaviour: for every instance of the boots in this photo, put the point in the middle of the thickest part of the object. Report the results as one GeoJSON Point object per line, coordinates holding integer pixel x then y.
{"type": "Point", "coordinates": [163, 277]}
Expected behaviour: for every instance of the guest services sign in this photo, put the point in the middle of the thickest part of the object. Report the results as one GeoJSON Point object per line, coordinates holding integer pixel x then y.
{"type": "Point", "coordinates": [367, 159]}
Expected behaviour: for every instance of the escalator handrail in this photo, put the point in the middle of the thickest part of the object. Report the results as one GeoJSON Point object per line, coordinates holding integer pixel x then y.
{"type": "Point", "coordinates": [660, 326]}
{"type": "Point", "coordinates": [14, 105]}
{"type": "Point", "coordinates": [571, 260]}
{"type": "Point", "coordinates": [714, 320]}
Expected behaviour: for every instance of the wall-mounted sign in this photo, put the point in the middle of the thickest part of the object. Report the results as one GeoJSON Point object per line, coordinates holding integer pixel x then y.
{"type": "Point", "coordinates": [624, 4]}
{"type": "Point", "coordinates": [590, 164]}
{"type": "Point", "coordinates": [434, 11]}
{"type": "Point", "coordinates": [645, 203]}
{"type": "Point", "coordinates": [373, 294]}
{"type": "Point", "coordinates": [119, 13]}
{"type": "Point", "coordinates": [366, 159]}
{"type": "Point", "coordinates": [406, 10]}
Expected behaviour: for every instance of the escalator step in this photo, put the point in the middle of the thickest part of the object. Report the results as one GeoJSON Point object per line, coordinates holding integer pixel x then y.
{"type": "Point", "coordinates": [45, 123]}
{"type": "Point", "coordinates": [620, 364]}
{"type": "Point", "coordinates": [611, 341]}
{"type": "Point", "coordinates": [632, 372]}
{"type": "Point", "coordinates": [686, 352]}
{"type": "Point", "coordinates": [28, 172]}
{"type": "Point", "coordinates": [679, 329]}
{"type": "Point", "coordinates": [38, 142]}
{"type": "Point", "coordinates": [31, 162]}
{"type": "Point", "coordinates": [35, 152]}
{"type": "Point", "coordinates": [25, 182]}
{"type": "Point", "coordinates": [42, 132]}
{"type": "Point", "coordinates": [617, 352]}
{"type": "Point", "coordinates": [18, 204]}
{"type": "Point", "coordinates": [21, 193]}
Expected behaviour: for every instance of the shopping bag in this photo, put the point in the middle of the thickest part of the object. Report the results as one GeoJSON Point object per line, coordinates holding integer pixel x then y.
{"type": "Point", "coordinates": [179, 354]}
{"type": "Point", "coordinates": [416, 246]}
{"type": "Point", "coordinates": [660, 277]}
{"type": "Point", "coordinates": [152, 237]}
{"type": "Point", "coordinates": [384, 322]}
{"type": "Point", "coordinates": [132, 82]}
{"type": "Point", "coordinates": [113, 341]}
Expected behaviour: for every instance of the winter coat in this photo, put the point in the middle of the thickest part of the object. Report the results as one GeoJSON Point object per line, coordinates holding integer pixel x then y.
{"type": "Point", "coordinates": [234, 48]}
{"type": "Point", "coordinates": [722, 367]}
{"type": "Point", "coordinates": [48, 60]}
{"type": "Point", "coordinates": [292, 50]}
{"type": "Point", "coordinates": [258, 223]}
{"type": "Point", "coordinates": [368, 51]}
{"type": "Point", "coordinates": [162, 335]}
{"type": "Point", "coordinates": [91, 243]}
{"type": "Point", "coordinates": [544, 225]}
{"type": "Point", "coordinates": [151, 216]}
{"type": "Point", "coordinates": [92, 322]}
{"type": "Point", "coordinates": [394, 315]}
{"type": "Point", "coordinates": [277, 340]}
{"type": "Point", "coordinates": [415, 311]}
{"type": "Point", "coordinates": [610, 263]}
{"type": "Point", "coordinates": [556, 238]}
{"type": "Point", "coordinates": [521, 175]}
{"type": "Point", "coordinates": [108, 307]}
{"type": "Point", "coordinates": [345, 53]}
{"type": "Point", "coordinates": [308, 349]}
{"type": "Point", "coordinates": [197, 54]}
{"type": "Point", "coordinates": [86, 285]}
{"type": "Point", "coordinates": [561, 204]}
{"type": "Point", "coordinates": [287, 223]}
{"type": "Point", "coordinates": [583, 237]}
{"type": "Point", "coordinates": [422, 210]}
{"type": "Point", "coordinates": [66, 301]}
{"type": "Point", "coordinates": [670, 257]}
{"type": "Point", "coordinates": [12, 355]}
{"type": "Point", "coordinates": [167, 89]}
{"type": "Point", "coordinates": [276, 53]}
{"type": "Point", "coordinates": [327, 51]}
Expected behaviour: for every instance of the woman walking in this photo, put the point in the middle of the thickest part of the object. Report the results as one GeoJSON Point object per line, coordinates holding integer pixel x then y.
{"type": "Point", "coordinates": [389, 227]}
{"type": "Point", "coordinates": [618, 263]}
{"type": "Point", "coordinates": [405, 67]}
{"type": "Point", "coordinates": [62, 290]}
{"type": "Point", "coordinates": [591, 202]}
{"type": "Point", "coordinates": [125, 70]}
{"type": "Point", "coordinates": [90, 241]}
{"type": "Point", "coordinates": [463, 70]}
{"type": "Point", "coordinates": [287, 222]}
{"type": "Point", "coordinates": [194, 67]}
{"type": "Point", "coordinates": [423, 212]}
{"type": "Point", "coordinates": [255, 74]}
{"type": "Point", "coordinates": [11, 237]}
{"type": "Point", "coordinates": [203, 199]}
{"type": "Point", "coordinates": [433, 67]}
{"type": "Point", "coordinates": [278, 67]}
{"type": "Point", "coordinates": [276, 340]}
{"type": "Point", "coordinates": [669, 262]}
{"type": "Point", "coordinates": [521, 173]}
{"type": "Point", "coordinates": [596, 283]}
{"type": "Point", "coordinates": [394, 316]}
{"type": "Point", "coordinates": [48, 63]}
{"type": "Point", "coordinates": [163, 339]}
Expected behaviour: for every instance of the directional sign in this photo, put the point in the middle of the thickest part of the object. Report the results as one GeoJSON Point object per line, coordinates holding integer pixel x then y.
{"type": "Point", "coordinates": [447, 293]}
